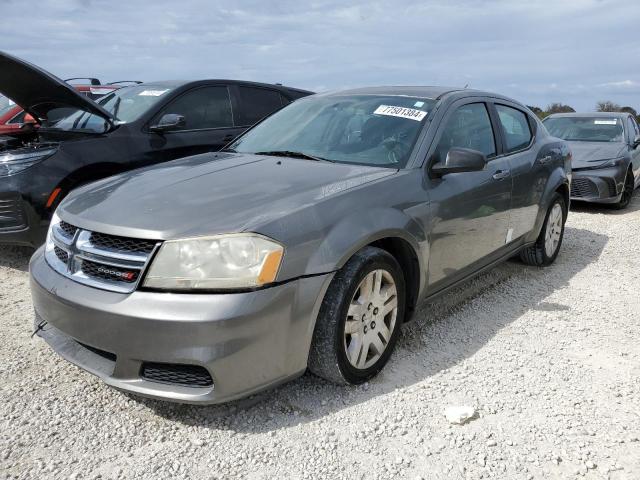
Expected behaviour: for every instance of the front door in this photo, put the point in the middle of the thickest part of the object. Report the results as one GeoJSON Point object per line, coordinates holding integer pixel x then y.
{"type": "Point", "coordinates": [470, 211]}
{"type": "Point", "coordinates": [208, 124]}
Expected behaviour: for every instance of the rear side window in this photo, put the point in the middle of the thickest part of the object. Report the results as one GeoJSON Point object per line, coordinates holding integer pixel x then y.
{"type": "Point", "coordinates": [633, 128]}
{"type": "Point", "coordinates": [256, 103]}
{"type": "Point", "coordinates": [516, 127]}
{"type": "Point", "coordinates": [205, 107]}
{"type": "Point", "coordinates": [468, 127]}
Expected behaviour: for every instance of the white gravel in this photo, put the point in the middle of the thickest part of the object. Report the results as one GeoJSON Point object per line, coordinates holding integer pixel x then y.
{"type": "Point", "coordinates": [549, 359]}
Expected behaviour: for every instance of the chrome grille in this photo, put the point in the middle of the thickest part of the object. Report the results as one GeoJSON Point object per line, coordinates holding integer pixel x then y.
{"type": "Point", "coordinates": [67, 230]}
{"type": "Point", "coordinates": [96, 259]}
{"type": "Point", "coordinates": [122, 244]}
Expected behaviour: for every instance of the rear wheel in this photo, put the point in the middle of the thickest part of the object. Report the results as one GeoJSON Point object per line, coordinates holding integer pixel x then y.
{"type": "Point", "coordinates": [359, 321]}
{"type": "Point", "coordinates": [627, 192]}
{"type": "Point", "coordinates": [547, 246]}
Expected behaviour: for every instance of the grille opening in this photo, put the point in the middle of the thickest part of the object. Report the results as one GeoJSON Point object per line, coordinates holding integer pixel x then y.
{"type": "Point", "coordinates": [103, 353]}
{"type": "Point", "coordinates": [122, 244]}
{"type": "Point", "coordinates": [583, 187]}
{"type": "Point", "coordinates": [107, 272]}
{"type": "Point", "coordinates": [61, 254]}
{"type": "Point", "coordinates": [11, 214]}
{"type": "Point", "coordinates": [176, 374]}
{"type": "Point", "coordinates": [67, 229]}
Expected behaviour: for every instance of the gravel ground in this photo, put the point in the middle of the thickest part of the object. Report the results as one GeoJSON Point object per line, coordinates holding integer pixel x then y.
{"type": "Point", "coordinates": [550, 359]}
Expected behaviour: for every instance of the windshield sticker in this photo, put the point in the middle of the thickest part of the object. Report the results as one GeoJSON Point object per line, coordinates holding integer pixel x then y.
{"type": "Point", "coordinates": [11, 102]}
{"type": "Point", "coordinates": [605, 122]}
{"type": "Point", "coordinates": [418, 104]}
{"type": "Point", "coordinates": [152, 93]}
{"type": "Point", "coordinates": [402, 112]}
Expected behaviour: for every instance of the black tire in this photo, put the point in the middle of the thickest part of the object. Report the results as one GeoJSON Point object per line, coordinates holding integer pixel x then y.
{"type": "Point", "coordinates": [536, 254]}
{"type": "Point", "coordinates": [627, 192]}
{"type": "Point", "coordinates": [327, 356]}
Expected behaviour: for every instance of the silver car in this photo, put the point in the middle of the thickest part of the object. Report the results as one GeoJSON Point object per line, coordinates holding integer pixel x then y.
{"type": "Point", "coordinates": [306, 243]}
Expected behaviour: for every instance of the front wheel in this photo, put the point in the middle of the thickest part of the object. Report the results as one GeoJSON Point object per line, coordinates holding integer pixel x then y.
{"type": "Point", "coordinates": [627, 192]}
{"type": "Point", "coordinates": [359, 320]}
{"type": "Point", "coordinates": [545, 250]}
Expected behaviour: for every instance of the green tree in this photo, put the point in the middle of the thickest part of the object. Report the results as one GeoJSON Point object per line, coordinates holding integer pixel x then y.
{"type": "Point", "coordinates": [607, 106]}
{"type": "Point", "coordinates": [559, 108]}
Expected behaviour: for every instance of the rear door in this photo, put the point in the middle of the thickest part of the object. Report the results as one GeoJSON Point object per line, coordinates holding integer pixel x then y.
{"type": "Point", "coordinates": [209, 123]}
{"type": "Point", "coordinates": [470, 210]}
{"type": "Point", "coordinates": [530, 169]}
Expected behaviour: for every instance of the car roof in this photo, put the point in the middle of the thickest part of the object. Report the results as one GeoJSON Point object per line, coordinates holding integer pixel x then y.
{"type": "Point", "coordinates": [186, 83]}
{"type": "Point", "coordinates": [590, 114]}
{"type": "Point", "coordinates": [432, 92]}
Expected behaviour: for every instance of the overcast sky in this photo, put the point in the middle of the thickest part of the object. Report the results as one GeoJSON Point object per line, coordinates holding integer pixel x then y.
{"type": "Point", "coordinates": [537, 51]}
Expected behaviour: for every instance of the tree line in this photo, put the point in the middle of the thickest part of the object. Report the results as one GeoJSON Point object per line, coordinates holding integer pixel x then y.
{"type": "Point", "coordinates": [603, 106]}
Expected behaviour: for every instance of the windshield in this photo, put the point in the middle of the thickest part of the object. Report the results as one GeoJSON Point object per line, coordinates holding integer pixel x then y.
{"type": "Point", "coordinates": [586, 129]}
{"type": "Point", "coordinates": [126, 104]}
{"type": "Point", "coordinates": [5, 105]}
{"type": "Point", "coordinates": [364, 129]}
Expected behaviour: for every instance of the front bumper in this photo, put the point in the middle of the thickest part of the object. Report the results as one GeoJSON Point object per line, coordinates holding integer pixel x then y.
{"type": "Point", "coordinates": [603, 185]}
{"type": "Point", "coordinates": [246, 341]}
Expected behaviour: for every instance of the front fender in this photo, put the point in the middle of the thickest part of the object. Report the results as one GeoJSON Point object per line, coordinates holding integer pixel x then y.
{"type": "Point", "coordinates": [363, 228]}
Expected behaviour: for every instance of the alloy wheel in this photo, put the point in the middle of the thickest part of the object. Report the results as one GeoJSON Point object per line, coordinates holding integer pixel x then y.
{"type": "Point", "coordinates": [554, 230]}
{"type": "Point", "coordinates": [371, 319]}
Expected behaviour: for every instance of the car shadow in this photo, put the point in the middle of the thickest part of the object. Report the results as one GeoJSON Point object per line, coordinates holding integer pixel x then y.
{"type": "Point", "coordinates": [15, 257]}
{"type": "Point", "coordinates": [440, 323]}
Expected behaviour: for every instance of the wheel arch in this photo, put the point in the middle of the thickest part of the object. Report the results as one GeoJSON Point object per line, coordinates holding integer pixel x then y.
{"type": "Point", "coordinates": [83, 175]}
{"type": "Point", "coordinates": [389, 229]}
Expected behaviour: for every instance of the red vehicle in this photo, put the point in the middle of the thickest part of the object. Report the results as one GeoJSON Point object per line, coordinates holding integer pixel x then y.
{"type": "Point", "coordinates": [13, 118]}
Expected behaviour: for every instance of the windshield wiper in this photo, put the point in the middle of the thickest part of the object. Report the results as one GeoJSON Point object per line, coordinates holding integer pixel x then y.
{"type": "Point", "coordinates": [291, 154]}
{"type": "Point", "coordinates": [230, 150]}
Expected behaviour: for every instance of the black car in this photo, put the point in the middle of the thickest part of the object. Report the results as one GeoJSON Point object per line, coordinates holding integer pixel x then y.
{"type": "Point", "coordinates": [129, 128]}
{"type": "Point", "coordinates": [606, 155]}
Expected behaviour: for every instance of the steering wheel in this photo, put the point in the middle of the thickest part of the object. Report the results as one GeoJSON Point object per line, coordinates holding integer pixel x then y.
{"type": "Point", "coordinates": [396, 149]}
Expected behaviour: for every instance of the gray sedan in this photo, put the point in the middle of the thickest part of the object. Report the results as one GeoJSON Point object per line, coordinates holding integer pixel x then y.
{"type": "Point", "coordinates": [306, 243]}
{"type": "Point", "coordinates": [606, 155]}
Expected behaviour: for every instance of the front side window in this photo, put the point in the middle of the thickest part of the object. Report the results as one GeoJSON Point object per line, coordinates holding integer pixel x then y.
{"type": "Point", "coordinates": [362, 129]}
{"type": "Point", "coordinates": [586, 129]}
{"type": "Point", "coordinates": [515, 126]}
{"type": "Point", "coordinates": [18, 119]}
{"type": "Point", "coordinates": [468, 126]}
{"type": "Point", "coordinates": [256, 103]}
{"type": "Point", "coordinates": [6, 105]}
{"type": "Point", "coordinates": [126, 104]}
{"type": "Point", "coordinates": [204, 107]}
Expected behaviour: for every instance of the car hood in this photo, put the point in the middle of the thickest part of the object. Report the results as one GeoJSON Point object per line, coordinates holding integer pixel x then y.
{"type": "Point", "coordinates": [589, 154]}
{"type": "Point", "coordinates": [209, 194]}
{"type": "Point", "coordinates": [39, 92]}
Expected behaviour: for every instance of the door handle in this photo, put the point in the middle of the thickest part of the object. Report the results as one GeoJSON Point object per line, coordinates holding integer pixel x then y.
{"type": "Point", "coordinates": [500, 174]}
{"type": "Point", "coordinates": [545, 160]}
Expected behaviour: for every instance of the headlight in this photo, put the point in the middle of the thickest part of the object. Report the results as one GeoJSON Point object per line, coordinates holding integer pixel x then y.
{"type": "Point", "coordinates": [12, 163]}
{"type": "Point", "coordinates": [218, 262]}
{"type": "Point", "coordinates": [614, 162]}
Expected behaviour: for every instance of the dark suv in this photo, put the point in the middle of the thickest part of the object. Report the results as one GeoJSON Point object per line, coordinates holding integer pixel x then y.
{"type": "Point", "coordinates": [129, 128]}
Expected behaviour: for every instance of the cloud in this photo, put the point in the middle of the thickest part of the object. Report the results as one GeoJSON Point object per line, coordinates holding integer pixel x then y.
{"type": "Point", "coordinates": [537, 52]}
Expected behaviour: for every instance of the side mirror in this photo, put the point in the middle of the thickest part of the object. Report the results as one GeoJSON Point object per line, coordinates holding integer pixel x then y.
{"type": "Point", "coordinates": [169, 121]}
{"type": "Point", "coordinates": [460, 160]}
{"type": "Point", "coordinates": [636, 141]}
